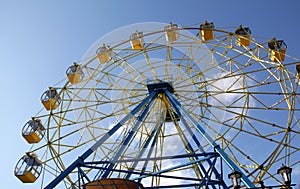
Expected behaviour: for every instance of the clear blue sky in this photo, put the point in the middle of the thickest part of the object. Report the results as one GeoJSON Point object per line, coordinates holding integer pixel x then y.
{"type": "Point", "coordinates": [40, 39]}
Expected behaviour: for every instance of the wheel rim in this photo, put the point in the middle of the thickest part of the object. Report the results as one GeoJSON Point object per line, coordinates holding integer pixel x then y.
{"type": "Point", "coordinates": [236, 93]}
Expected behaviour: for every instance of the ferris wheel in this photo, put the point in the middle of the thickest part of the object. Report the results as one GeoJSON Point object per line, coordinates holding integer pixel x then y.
{"type": "Point", "coordinates": [155, 105]}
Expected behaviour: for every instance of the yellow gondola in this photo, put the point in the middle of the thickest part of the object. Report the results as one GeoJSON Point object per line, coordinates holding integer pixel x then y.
{"type": "Point", "coordinates": [244, 35]}
{"type": "Point", "coordinates": [29, 168]}
{"type": "Point", "coordinates": [75, 73]}
{"type": "Point", "coordinates": [50, 99]}
{"type": "Point", "coordinates": [33, 131]}
{"type": "Point", "coordinates": [207, 31]}
{"type": "Point", "coordinates": [104, 54]}
{"type": "Point", "coordinates": [171, 32]}
{"type": "Point", "coordinates": [277, 50]}
{"type": "Point", "coordinates": [136, 41]}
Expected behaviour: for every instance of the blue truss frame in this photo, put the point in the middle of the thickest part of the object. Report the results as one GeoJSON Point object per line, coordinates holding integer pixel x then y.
{"type": "Point", "coordinates": [106, 167]}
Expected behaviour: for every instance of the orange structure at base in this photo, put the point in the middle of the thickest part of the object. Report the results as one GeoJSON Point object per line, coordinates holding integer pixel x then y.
{"type": "Point", "coordinates": [114, 183]}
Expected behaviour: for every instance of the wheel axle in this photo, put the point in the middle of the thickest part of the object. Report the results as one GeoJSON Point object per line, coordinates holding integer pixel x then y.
{"type": "Point", "coordinates": [160, 86]}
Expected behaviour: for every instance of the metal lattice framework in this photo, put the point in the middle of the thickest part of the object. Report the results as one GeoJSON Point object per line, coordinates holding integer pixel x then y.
{"type": "Point", "coordinates": [175, 112]}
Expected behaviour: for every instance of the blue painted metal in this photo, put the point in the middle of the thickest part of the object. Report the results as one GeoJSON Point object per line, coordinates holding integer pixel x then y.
{"type": "Point", "coordinates": [175, 167]}
{"type": "Point", "coordinates": [215, 171]}
{"type": "Point", "coordinates": [179, 109]}
{"type": "Point", "coordinates": [160, 86]}
{"type": "Point", "coordinates": [182, 185]}
{"type": "Point", "coordinates": [100, 172]}
{"type": "Point", "coordinates": [145, 146]}
{"type": "Point", "coordinates": [212, 155]}
{"type": "Point", "coordinates": [149, 153]}
{"type": "Point", "coordinates": [128, 138]}
{"type": "Point", "coordinates": [156, 158]}
{"type": "Point", "coordinates": [81, 176]}
{"type": "Point", "coordinates": [205, 180]}
{"type": "Point", "coordinates": [86, 154]}
{"type": "Point", "coordinates": [154, 90]}
{"type": "Point", "coordinates": [208, 178]}
{"type": "Point", "coordinates": [189, 147]}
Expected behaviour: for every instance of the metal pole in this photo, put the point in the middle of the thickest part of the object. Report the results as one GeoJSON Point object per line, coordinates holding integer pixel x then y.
{"type": "Point", "coordinates": [92, 149]}
{"type": "Point", "coordinates": [180, 110]}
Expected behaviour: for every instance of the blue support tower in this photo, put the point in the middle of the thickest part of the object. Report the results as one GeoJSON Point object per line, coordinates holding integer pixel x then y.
{"type": "Point", "coordinates": [208, 166]}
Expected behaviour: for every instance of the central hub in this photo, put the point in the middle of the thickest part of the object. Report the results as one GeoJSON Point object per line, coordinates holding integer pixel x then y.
{"type": "Point", "coordinates": [160, 87]}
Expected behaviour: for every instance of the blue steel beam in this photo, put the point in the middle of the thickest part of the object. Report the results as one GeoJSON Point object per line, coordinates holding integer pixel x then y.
{"type": "Point", "coordinates": [200, 168]}
{"type": "Point", "coordinates": [145, 146]}
{"type": "Point", "coordinates": [93, 148]}
{"type": "Point", "coordinates": [215, 171]}
{"type": "Point", "coordinates": [208, 178]}
{"type": "Point", "coordinates": [128, 138]}
{"type": "Point", "coordinates": [154, 158]}
{"type": "Point", "coordinates": [150, 152]}
{"type": "Point", "coordinates": [148, 174]}
{"type": "Point", "coordinates": [180, 110]}
{"type": "Point", "coordinates": [81, 176]}
{"type": "Point", "coordinates": [175, 167]}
